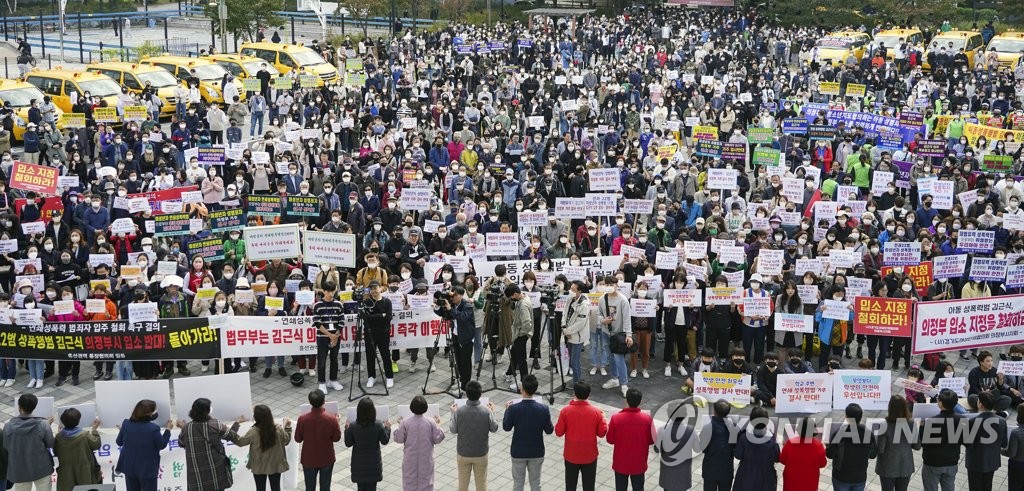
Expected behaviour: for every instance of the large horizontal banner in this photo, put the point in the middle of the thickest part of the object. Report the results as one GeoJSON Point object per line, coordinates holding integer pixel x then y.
{"type": "Point", "coordinates": [517, 268]}
{"type": "Point", "coordinates": [804, 393]}
{"type": "Point", "coordinates": [284, 336]}
{"type": "Point", "coordinates": [970, 323]}
{"type": "Point", "coordinates": [167, 339]}
{"type": "Point", "coordinates": [879, 316]}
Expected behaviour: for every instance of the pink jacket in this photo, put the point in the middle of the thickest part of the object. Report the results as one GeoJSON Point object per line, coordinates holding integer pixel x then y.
{"type": "Point", "coordinates": [77, 315]}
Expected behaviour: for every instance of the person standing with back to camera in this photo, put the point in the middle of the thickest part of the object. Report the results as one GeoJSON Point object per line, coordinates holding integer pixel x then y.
{"type": "Point", "coordinates": [516, 321]}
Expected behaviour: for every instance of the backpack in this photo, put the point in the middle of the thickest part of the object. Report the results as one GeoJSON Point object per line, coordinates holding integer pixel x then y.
{"type": "Point", "coordinates": [931, 361]}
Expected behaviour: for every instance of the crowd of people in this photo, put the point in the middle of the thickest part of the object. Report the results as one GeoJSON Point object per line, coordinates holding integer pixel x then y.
{"type": "Point", "coordinates": [500, 121]}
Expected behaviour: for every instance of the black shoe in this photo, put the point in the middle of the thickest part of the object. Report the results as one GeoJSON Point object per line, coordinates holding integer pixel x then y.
{"type": "Point", "coordinates": [168, 373]}
{"type": "Point", "coordinates": [74, 381]}
{"type": "Point", "coordinates": [536, 364]}
{"type": "Point", "coordinates": [860, 352]}
{"type": "Point", "coordinates": [97, 374]}
{"type": "Point", "coordinates": [252, 369]}
{"type": "Point", "coordinates": [267, 372]}
{"type": "Point", "coordinates": [61, 381]}
{"type": "Point", "coordinates": [108, 376]}
{"type": "Point", "coordinates": [964, 357]}
{"type": "Point", "coordinates": [184, 371]}
{"type": "Point", "coordinates": [847, 353]}
{"type": "Point", "coordinates": [281, 371]}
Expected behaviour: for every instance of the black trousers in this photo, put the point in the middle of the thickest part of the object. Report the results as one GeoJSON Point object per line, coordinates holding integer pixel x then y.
{"type": "Point", "coordinates": [622, 482]}
{"type": "Point", "coordinates": [572, 472]}
{"type": "Point", "coordinates": [67, 368]}
{"type": "Point", "coordinates": [718, 340]}
{"type": "Point", "coordinates": [518, 361]}
{"type": "Point", "coordinates": [464, 363]}
{"type": "Point", "coordinates": [378, 339]}
{"type": "Point", "coordinates": [324, 353]}
{"type": "Point", "coordinates": [723, 484]}
{"type": "Point", "coordinates": [261, 481]}
{"type": "Point", "coordinates": [979, 481]}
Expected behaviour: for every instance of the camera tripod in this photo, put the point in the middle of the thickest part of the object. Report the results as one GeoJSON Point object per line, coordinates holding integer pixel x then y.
{"type": "Point", "coordinates": [554, 352]}
{"type": "Point", "coordinates": [447, 325]}
{"type": "Point", "coordinates": [356, 376]}
{"type": "Point", "coordinates": [491, 321]}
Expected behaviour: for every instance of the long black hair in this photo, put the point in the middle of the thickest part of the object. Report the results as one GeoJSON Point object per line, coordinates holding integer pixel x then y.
{"type": "Point", "coordinates": [264, 422]}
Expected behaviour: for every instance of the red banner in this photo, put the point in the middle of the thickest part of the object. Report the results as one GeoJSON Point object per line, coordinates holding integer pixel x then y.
{"type": "Point", "coordinates": [46, 207]}
{"type": "Point", "coordinates": [31, 177]}
{"type": "Point", "coordinates": [155, 197]}
{"type": "Point", "coordinates": [921, 274]}
{"type": "Point", "coordinates": [876, 316]}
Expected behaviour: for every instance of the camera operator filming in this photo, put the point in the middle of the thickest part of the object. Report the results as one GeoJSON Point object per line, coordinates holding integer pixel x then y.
{"type": "Point", "coordinates": [454, 306]}
{"type": "Point", "coordinates": [516, 327]}
{"type": "Point", "coordinates": [376, 312]}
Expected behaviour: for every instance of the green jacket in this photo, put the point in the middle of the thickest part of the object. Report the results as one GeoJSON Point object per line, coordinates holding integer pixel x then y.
{"type": "Point", "coordinates": [171, 309]}
{"type": "Point", "coordinates": [77, 461]}
{"type": "Point", "coordinates": [234, 251]}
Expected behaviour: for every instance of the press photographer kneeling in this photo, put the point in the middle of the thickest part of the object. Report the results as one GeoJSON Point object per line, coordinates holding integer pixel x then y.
{"type": "Point", "coordinates": [452, 305]}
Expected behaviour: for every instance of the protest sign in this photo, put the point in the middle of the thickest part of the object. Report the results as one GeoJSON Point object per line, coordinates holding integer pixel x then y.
{"type": "Point", "coordinates": [227, 219]}
{"type": "Point", "coordinates": [105, 114]}
{"type": "Point", "coordinates": [883, 316]}
{"type": "Point", "coordinates": [733, 387]}
{"type": "Point", "coordinates": [1014, 222]}
{"type": "Point", "coordinates": [572, 208]}
{"type": "Point", "coordinates": [696, 249]}
{"type": "Point", "coordinates": [329, 248]}
{"type": "Point", "coordinates": [169, 224]}
{"type": "Point", "coordinates": [666, 260]}
{"type": "Point", "coordinates": [803, 393]}
{"type": "Point", "coordinates": [302, 206]}
{"type": "Point", "coordinates": [115, 400]}
{"type": "Point", "coordinates": [1015, 276]}
{"type": "Point", "coordinates": [916, 387]}
{"type": "Point", "coordinates": [976, 240]}
{"type": "Point", "coordinates": [757, 135]}
{"type": "Point", "coordinates": [723, 295]}
{"type": "Point", "coordinates": [808, 294]}
{"type": "Point", "coordinates": [968, 323]}
{"type": "Point", "coordinates": [604, 179]}
{"type": "Point", "coordinates": [837, 310]}
{"type": "Point", "coordinates": [1011, 368]}
{"type": "Point", "coordinates": [528, 219]}
{"type": "Point", "coordinates": [955, 384]}
{"type": "Point", "coordinates": [209, 249]}
{"type": "Point", "coordinates": [987, 269]}
{"type": "Point", "coordinates": [640, 206]}
{"type": "Point", "coordinates": [683, 298]}
{"type": "Point", "coordinates": [871, 389]}
{"type": "Point", "coordinates": [949, 266]}
{"type": "Point", "coordinates": [794, 322]}
{"type": "Point", "coordinates": [415, 199]}
{"type": "Point", "coordinates": [757, 306]}
{"type": "Point", "coordinates": [901, 253]}
{"type": "Point", "coordinates": [600, 204]}
{"type": "Point", "coordinates": [722, 178]}
{"type": "Point", "coordinates": [31, 177]}
{"type": "Point", "coordinates": [997, 163]}
{"type": "Point", "coordinates": [229, 393]}
{"type": "Point", "coordinates": [766, 156]}
{"type": "Point", "coordinates": [71, 120]}
{"type": "Point", "coordinates": [640, 307]}
{"type": "Point", "coordinates": [920, 274]}
{"type": "Point", "coordinates": [502, 244]}
{"type": "Point", "coordinates": [272, 242]}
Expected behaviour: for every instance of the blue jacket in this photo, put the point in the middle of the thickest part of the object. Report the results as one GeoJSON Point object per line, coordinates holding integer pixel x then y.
{"type": "Point", "coordinates": [718, 450]}
{"type": "Point", "coordinates": [531, 420]}
{"type": "Point", "coordinates": [141, 444]}
{"type": "Point", "coordinates": [825, 326]}
{"type": "Point", "coordinates": [31, 141]}
{"type": "Point", "coordinates": [96, 220]}
{"type": "Point", "coordinates": [108, 153]}
{"type": "Point", "coordinates": [439, 157]}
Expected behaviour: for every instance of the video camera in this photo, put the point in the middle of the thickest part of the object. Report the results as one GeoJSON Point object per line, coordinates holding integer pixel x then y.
{"type": "Point", "coordinates": [495, 292]}
{"type": "Point", "coordinates": [549, 295]}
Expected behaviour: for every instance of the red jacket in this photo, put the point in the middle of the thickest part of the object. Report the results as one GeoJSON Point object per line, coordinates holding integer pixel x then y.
{"type": "Point", "coordinates": [581, 424]}
{"type": "Point", "coordinates": [318, 432]}
{"type": "Point", "coordinates": [631, 431]}
{"type": "Point", "coordinates": [803, 462]}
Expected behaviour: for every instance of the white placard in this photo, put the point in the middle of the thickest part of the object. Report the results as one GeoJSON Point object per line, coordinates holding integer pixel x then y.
{"type": "Point", "coordinates": [757, 306]}
{"type": "Point", "coordinates": [604, 179]}
{"type": "Point", "coordinates": [871, 389]}
{"type": "Point", "coordinates": [116, 399]}
{"type": "Point", "coordinates": [955, 384]}
{"type": "Point", "coordinates": [641, 307]}
{"type": "Point", "coordinates": [532, 218]}
{"type": "Point", "coordinates": [949, 266]}
{"type": "Point", "coordinates": [44, 408]}
{"type": "Point", "coordinates": [837, 310]}
{"type": "Point", "coordinates": [327, 248]}
{"type": "Point", "coordinates": [229, 395]}
{"type": "Point", "coordinates": [330, 407]}
{"type": "Point", "coordinates": [666, 260]}
{"type": "Point", "coordinates": [502, 244]}
{"type": "Point", "coordinates": [63, 307]}
{"type": "Point", "coordinates": [142, 312]}
{"type": "Point", "coordinates": [383, 413]}
{"type": "Point", "coordinates": [724, 179]}
{"type": "Point", "coordinates": [192, 197]}
{"type": "Point", "coordinates": [733, 388]}
{"type": "Point", "coordinates": [770, 261]}
{"type": "Point", "coordinates": [1012, 368]}
{"type": "Point", "coordinates": [272, 242]}
{"type": "Point", "coordinates": [95, 305]}
{"type": "Point", "coordinates": [794, 323]}
{"type": "Point", "coordinates": [803, 393]}
{"type": "Point", "coordinates": [122, 226]}
{"type": "Point", "coordinates": [808, 294]}
{"type": "Point", "coordinates": [87, 410]}
{"type": "Point", "coordinates": [696, 249]}
{"type": "Point", "coordinates": [415, 199]}
{"type": "Point", "coordinates": [432, 409]}
{"type": "Point", "coordinates": [32, 228]}
{"type": "Point", "coordinates": [683, 298]}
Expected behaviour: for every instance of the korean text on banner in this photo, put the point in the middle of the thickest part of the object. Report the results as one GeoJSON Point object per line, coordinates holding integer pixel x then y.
{"type": "Point", "coordinates": [604, 179]}
{"type": "Point", "coordinates": [272, 242]}
{"type": "Point", "coordinates": [30, 177]}
{"type": "Point", "coordinates": [976, 240]}
{"type": "Point", "coordinates": [502, 244]}
{"type": "Point", "coordinates": [794, 323]}
{"type": "Point", "coordinates": [167, 339]}
{"type": "Point", "coordinates": [920, 274]}
{"type": "Point", "coordinates": [329, 248]}
{"type": "Point", "coordinates": [683, 298]}
{"type": "Point", "coordinates": [949, 266]}
{"type": "Point", "coordinates": [733, 387]}
{"type": "Point", "coordinates": [723, 296]}
{"type": "Point", "coordinates": [722, 178]}
{"type": "Point", "coordinates": [869, 388]}
{"type": "Point", "coordinates": [882, 316]}
{"type": "Point", "coordinates": [804, 393]}
{"type": "Point", "coordinates": [968, 323]}
{"type": "Point", "coordinates": [415, 199]}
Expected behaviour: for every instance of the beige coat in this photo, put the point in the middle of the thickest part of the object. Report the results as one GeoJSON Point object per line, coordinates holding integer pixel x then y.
{"type": "Point", "coordinates": [272, 461]}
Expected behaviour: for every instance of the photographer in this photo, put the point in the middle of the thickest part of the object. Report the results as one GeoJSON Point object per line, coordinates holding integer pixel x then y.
{"type": "Point", "coordinates": [328, 320]}
{"type": "Point", "coordinates": [576, 326]}
{"type": "Point", "coordinates": [457, 308]}
{"type": "Point", "coordinates": [493, 289]}
{"type": "Point", "coordinates": [516, 322]}
{"type": "Point", "coordinates": [377, 313]}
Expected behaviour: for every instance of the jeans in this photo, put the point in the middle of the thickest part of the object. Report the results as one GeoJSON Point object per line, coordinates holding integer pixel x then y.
{"type": "Point", "coordinates": [261, 481]}
{"type": "Point", "coordinates": [622, 482]}
{"type": "Point", "coordinates": [475, 467]}
{"type": "Point", "coordinates": [599, 348]}
{"type": "Point", "coordinates": [935, 478]}
{"type": "Point", "coordinates": [35, 368]}
{"type": "Point", "coordinates": [8, 368]}
{"type": "Point", "coordinates": [845, 486]}
{"type": "Point", "coordinates": [41, 484]}
{"type": "Point", "coordinates": [256, 119]}
{"type": "Point", "coordinates": [572, 472]}
{"type": "Point", "coordinates": [314, 474]}
{"type": "Point", "coordinates": [132, 483]}
{"type": "Point", "coordinates": [575, 353]}
{"type": "Point", "coordinates": [269, 362]}
{"type": "Point", "coordinates": [619, 368]}
{"type": "Point", "coordinates": [895, 483]}
{"type": "Point", "coordinates": [123, 369]}
{"type": "Point", "coordinates": [519, 470]}
{"type": "Point", "coordinates": [324, 354]}
{"type": "Point", "coordinates": [478, 345]}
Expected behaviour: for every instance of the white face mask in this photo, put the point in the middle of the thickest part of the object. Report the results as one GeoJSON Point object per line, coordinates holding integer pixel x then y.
{"type": "Point", "coordinates": [406, 275]}
{"type": "Point", "coordinates": [907, 288]}
{"type": "Point", "coordinates": [221, 304]}
{"type": "Point", "coordinates": [446, 276]}
{"type": "Point", "coordinates": [528, 284]}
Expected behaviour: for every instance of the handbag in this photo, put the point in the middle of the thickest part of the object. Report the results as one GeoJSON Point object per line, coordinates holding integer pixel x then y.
{"type": "Point", "coordinates": [617, 342]}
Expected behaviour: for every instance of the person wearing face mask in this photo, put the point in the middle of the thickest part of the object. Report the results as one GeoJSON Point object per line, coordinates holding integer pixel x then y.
{"type": "Point", "coordinates": [96, 219]}
{"type": "Point", "coordinates": [104, 369]}
{"type": "Point", "coordinates": [755, 327]}
{"type": "Point", "coordinates": [833, 333]}
{"type": "Point", "coordinates": [174, 304]}
{"type": "Point", "coordinates": [77, 314]}
{"type": "Point", "coordinates": [58, 230]}
{"type": "Point", "coordinates": [373, 271]}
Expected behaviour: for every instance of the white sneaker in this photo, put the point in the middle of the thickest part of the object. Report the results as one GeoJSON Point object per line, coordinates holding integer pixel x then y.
{"type": "Point", "coordinates": [610, 384]}
{"type": "Point", "coordinates": [632, 374]}
{"type": "Point", "coordinates": [369, 382]}
{"type": "Point", "coordinates": [39, 384]}
{"type": "Point", "coordinates": [624, 389]}
{"type": "Point", "coordinates": [205, 368]}
{"type": "Point", "coordinates": [389, 382]}
{"type": "Point", "coordinates": [509, 378]}
{"type": "Point", "coordinates": [514, 386]}
{"type": "Point", "coordinates": [433, 368]}
{"type": "Point", "coordinates": [668, 371]}
{"type": "Point", "coordinates": [10, 383]}
{"type": "Point", "coordinates": [243, 365]}
{"type": "Point", "coordinates": [487, 355]}
{"type": "Point", "coordinates": [2, 382]}
{"type": "Point", "coordinates": [604, 372]}
{"type": "Point", "coordinates": [335, 385]}
{"type": "Point", "coordinates": [682, 369]}
{"type": "Point", "coordinates": [593, 370]}
{"type": "Point", "coordinates": [645, 374]}
{"type": "Point", "coordinates": [309, 371]}
{"type": "Point", "coordinates": [322, 387]}
{"type": "Point", "coordinates": [31, 383]}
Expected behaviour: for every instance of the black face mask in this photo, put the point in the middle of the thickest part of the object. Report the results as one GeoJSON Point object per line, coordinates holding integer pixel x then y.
{"type": "Point", "coordinates": [706, 362]}
{"type": "Point", "coordinates": [771, 364]}
{"type": "Point", "coordinates": [1017, 358]}
{"type": "Point", "coordinates": [738, 362]}
{"type": "Point", "coordinates": [795, 361]}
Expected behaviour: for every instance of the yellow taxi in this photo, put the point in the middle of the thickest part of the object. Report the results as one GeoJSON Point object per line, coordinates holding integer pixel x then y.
{"type": "Point", "coordinates": [891, 39]}
{"type": "Point", "coordinates": [135, 77]}
{"type": "Point", "coordinates": [288, 57]}
{"type": "Point", "coordinates": [838, 46]}
{"type": "Point", "coordinates": [970, 41]}
{"type": "Point", "coordinates": [59, 84]}
{"type": "Point", "coordinates": [20, 95]}
{"type": "Point", "coordinates": [1009, 46]}
{"type": "Point", "coordinates": [209, 73]}
{"type": "Point", "coordinates": [241, 66]}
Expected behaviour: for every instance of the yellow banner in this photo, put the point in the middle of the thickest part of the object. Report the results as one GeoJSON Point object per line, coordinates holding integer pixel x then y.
{"type": "Point", "coordinates": [71, 120]}
{"type": "Point", "coordinates": [206, 293]}
{"type": "Point", "coordinates": [705, 132]}
{"type": "Point", "coordinates": [973, 131]}
{"type": "Point", "coordinates": [135, 113]}
{"type": "Point", "coordinates": [667, 151]}
{"type": "Point", "coordinates": [856, 90]}
{"type": "Point", "coordinates": [105, 114]}
{"type": "Point", "coordinates": [828, 88]}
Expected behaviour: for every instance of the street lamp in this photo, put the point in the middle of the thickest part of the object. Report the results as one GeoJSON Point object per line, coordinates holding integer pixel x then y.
{"type": "Point", "coordinates": [222, 14]}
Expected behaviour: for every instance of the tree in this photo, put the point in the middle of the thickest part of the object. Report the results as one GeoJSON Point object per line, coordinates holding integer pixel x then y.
{"type": "Point", "coordinates": [362, 11]}
{"type": "Point", "coordinates": [246, 17]}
